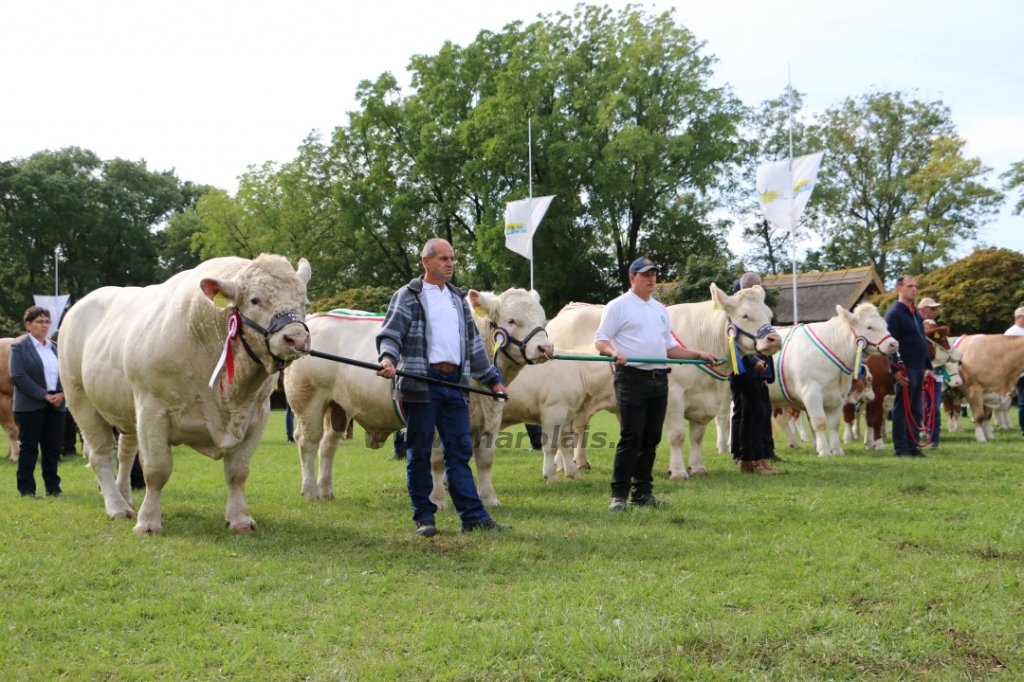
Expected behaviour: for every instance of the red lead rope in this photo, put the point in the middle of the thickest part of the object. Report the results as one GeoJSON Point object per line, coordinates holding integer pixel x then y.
{"type": "Point", "coordinates": [927, 418]}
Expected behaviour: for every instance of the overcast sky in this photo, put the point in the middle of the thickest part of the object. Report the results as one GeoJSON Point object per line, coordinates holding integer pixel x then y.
{"type": "Point", "coordinates": [208, 88]}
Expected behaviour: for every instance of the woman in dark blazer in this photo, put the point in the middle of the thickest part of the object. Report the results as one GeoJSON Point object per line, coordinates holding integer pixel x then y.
{"type": "Point", "coordinates": [38, 402]}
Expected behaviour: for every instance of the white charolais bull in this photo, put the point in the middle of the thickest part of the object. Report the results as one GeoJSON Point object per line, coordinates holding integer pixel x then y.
{"type": "Point", "coordinates": [324, 395]}
{"type": "Point", "coordinates": [814, 369]}
{"type": "Point", "coordinates": [141, 359]}
{"type": "Point", "coordinates": [990, 366]}
{"type": "Point", "coordinates": [696, 392]}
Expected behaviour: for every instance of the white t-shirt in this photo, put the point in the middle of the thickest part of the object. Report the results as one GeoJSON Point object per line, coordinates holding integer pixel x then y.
{"type": "Point", "coordinates": [444, 343]}
{"type": "Point", "coordinates": [1014, 331]}
{"type": "Point", "coordinates": [637, 328]}
{"type": "Point", "coordinates": [49, 362]}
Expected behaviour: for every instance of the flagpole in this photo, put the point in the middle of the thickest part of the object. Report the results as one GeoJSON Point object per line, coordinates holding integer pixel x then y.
{"type": "Point", "coordinates": [792, 227]}
{"type": "Point", "coordinates": [529, 172]}
{"type": "Point", "coordinates": [56, 271]}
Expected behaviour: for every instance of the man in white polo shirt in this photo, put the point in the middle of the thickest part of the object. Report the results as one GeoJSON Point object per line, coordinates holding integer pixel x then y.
{"type": "Point", "coordinates": [1018, 330]}
{"type": "Point", "coordinates": [635, 325]}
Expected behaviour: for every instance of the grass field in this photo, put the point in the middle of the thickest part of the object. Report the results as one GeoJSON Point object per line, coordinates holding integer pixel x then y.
{"type": "Point", "coordinates": [864, 567]}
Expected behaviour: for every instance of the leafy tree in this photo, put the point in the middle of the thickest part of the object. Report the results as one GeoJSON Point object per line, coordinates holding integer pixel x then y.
{"type": "Point", "coordinates": [368, 299]}
{"type": "Point", "coordinates": [102, 214]}
{"type": "Point", "coordinates": [1014, 179]}
{"type": "Point", "coordinates": [696, 275]}
{"type": "Point", "coordinates": [895, 189]}
{"type": "Point", "coordinates": [978, 293]}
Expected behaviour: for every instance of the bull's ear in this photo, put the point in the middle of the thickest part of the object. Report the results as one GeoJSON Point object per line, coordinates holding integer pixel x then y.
{"type": "Point", "coordinates": [483, 303]}
{"type": "Point", "coordinates": [303, 271]}
{"type": "Point", "coordinates": [723, 301]}
{"type": "Point", "coordinates": [760, 291]}
{"type": "Point", "coordinates": [535, 295]}
{"type": "Point", "coordinates": [845, 314]}
{"type": "Point", "coordinates": [221, 291]}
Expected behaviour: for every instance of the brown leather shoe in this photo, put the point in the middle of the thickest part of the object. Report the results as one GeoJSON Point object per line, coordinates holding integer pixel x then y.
{"type": "Point", "coordinates": [761, 467]}
{"type": "Point", "coordinates": [747, 468]}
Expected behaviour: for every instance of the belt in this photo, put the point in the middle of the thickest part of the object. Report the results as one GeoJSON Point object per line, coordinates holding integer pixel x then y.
{"type": "Point", "coordinates": [647, 373]}
{"type": "Point", "coordinates": [445, 367]}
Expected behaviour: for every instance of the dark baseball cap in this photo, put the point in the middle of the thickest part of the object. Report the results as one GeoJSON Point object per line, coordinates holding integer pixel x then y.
{"type": "Point", "coordinates": [642, 264]}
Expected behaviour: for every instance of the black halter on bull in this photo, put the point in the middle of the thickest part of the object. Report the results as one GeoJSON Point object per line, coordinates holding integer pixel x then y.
{"type": "Point", "coordinates": [733, 331]}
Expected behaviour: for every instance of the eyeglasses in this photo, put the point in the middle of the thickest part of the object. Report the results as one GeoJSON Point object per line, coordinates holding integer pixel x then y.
{"type": "Point", "coordinates": [41, 321]}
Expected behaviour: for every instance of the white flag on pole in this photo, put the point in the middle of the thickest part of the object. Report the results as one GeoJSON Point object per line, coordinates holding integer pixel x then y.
{"type": "Point", "coordinates": [56, 305]}
{"type": "Point", "coordinates": [521, 220]}
{"type": "Point", "coordinates": [784, 194]}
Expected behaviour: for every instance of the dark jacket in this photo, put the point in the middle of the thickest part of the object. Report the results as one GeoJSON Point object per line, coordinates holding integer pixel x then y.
{"type": "Point", "coordinates": [403, 338]}
{"type": "Point", "coordinates": [750, 375]}
{"type": "Point", "coordinates": [908, 329]}
{"type": "Point", "coordinates": [29, 377]}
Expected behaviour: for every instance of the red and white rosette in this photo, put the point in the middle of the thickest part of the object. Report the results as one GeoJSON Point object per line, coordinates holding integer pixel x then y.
{"type": "Point", "coordinates": [227, 356]}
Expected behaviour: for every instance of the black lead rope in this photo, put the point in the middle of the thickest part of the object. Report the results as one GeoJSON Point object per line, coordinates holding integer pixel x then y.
{"type": "Point", "coordinates": [409, 375]}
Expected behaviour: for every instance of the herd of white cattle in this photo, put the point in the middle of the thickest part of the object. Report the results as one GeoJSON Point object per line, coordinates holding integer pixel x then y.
{"type": "Point", "coordinates": [141, 359]}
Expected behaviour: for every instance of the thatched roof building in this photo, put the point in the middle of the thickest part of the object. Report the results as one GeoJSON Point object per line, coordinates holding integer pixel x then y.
{"type": "Point", "coordinates": [818, 293]}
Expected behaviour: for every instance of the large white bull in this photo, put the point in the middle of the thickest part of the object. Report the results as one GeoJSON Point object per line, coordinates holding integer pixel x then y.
{"type": "Point", "coordinates": [696, 392]}
{"type": "Point", "coordinates": [814, 370]}
{"type": "Point", "coordinates": [324, 395]}
{"type": "Point", "coordinates": [141, 359]}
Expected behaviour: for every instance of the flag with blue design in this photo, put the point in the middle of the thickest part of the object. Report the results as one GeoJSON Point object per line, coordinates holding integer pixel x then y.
{"type": "Point", "coordinates": [783, 193]}
{"type": "Point", "coordinates": [521, 220]}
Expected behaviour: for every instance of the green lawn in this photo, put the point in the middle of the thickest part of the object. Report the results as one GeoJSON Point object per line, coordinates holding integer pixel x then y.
{"type": "Point", "coordinates": [866, 567]}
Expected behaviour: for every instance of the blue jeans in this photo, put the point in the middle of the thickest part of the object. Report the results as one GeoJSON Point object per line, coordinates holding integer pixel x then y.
{"type": "Point", "coordinates": [901, 434]}
{"type": "Point", "coordinates": [1020, 404]}
{"type": "Point", "coordinates": [447, 412]}
{"type": "Point", "coordinates": [289, 422]}
{"type": "Point", "coordinates": [937, 423]}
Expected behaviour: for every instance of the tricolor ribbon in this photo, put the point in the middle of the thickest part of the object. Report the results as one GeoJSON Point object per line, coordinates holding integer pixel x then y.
{"type": "Point", "coordinates": [227, 355]}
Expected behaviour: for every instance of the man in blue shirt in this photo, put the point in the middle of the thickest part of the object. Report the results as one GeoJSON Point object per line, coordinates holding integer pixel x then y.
{"type": "Point", "coordinates": [907, 326]}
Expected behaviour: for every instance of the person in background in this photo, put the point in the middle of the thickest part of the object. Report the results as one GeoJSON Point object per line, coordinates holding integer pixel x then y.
{"type": "Point", "coordinates": [1018, 330]}
{"type": "Point", "coordinates": [929, 309]}
{"type": "Point", "coordinates": [751, 433]}
{"type": "Point", "coordinates": [38, 403]}
{"type": "Point", "coordinates": [907, 326]}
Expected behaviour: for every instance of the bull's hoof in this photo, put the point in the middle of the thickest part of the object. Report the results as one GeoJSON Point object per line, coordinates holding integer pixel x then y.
{"type": "Point", "coordinates": [241, 527]}
{"type": "Point", "coordinates": [678, 476]}
{"type": "Point", "coordinates": [553, 478]}
{"type": "Point", "coordinates": [311, 496]}
{"type": "Point", "coordinates": [128, 513]}
{"type": "Point", "coordinates": [576, 476]}
{"type": "Point", "coordinates": [327, 494]}
{"type": "Point", "coordinates": [441, 505]}
{"type": "Point", "coordinates": [838, 453]}
{"type": "Point", "coordinates": [699, 471]}
{"type": "Point", "coordinates": [825, 454]}
{"type": "Point", "coordinates": [583, 465]}
{"type": "Point", "coordinates": [490, 501]}
{"type": "Point", "coordinates": [143, 528]}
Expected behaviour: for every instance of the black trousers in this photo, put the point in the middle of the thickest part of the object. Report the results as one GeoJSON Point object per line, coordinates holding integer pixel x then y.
{"type": "Point", "coordinates": [642, 397]}
{"type": "Point", "coordinates": [40, 429]}
{"type": "Point", "coordinates": [751, 421]}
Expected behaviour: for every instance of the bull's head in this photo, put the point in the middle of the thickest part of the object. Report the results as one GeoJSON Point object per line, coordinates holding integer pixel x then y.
{"type": "Point", "coordinates": [752, 318]}
{"type": "Point", "coordinates": [938, 339]}
{"type": "Point", "coordinates": [518, 312]}
{"type": "Point", "coordinates": [865, 322]}
{"type": "Point", "coordinates": [271, 298]}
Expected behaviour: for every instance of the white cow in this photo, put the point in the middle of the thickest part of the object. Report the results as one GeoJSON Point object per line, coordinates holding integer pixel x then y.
{"type": "Point", "coordinates": [696, 393]}
{"type": "Point", "coordinates": [141, 359]}
{"type": "Point", "coordinates": [814, 370]}
{"type": "Point", "coordinates": [324, 395]}
{"type": "Point", "coordinates": [562, 397]}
